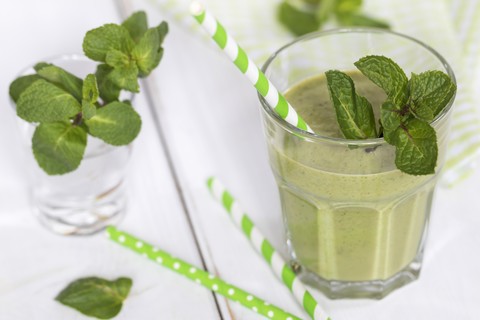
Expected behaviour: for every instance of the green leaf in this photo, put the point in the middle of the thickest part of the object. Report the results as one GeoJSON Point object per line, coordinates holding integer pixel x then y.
{"type": "Point", "coordinates": [117, 59]}
{"type": "Point", "coordinates": [348, 5]}
{"type": "Point", "coordinates": [45, 102]}
{"type": "Point", "coordinates": [96, 297]}
{"type": "Point", "coordinates": [417, 150]}
{"type": "Point", "coordinates": [90, 89]}
{"type": "Point", "coordinates": [116, 123]}
{"type": "Point", "coordinates": [387, 75]}
{"type": "Point", "coordinates": [58, 147]}
{"type": "Point", "coordinates": [18, 86]}
{"type": "Point", "coordinates": [148, 52]}
{"type": "Point", "coordinates": [364, 116]}
{"type": "Point", "coordinates": [325, 10]}
{"type": "Point", "coordinates": [360, 20]}
{"type": "Point", "coordinates": [390, 119]}
{"type": "Point", "coordinates": [430, 92]}
{"type": "Point", "coordinates": [136, 25]}
{"type": "Point", "coordinates": [354, 113]}
{"type": "Point", "coordinates": [296, 20]}
{"type": "Point", "coordinates": [125, 78]}
{"type": "Point", "coordinates": [62, 78]}
{"type": "Point", "coordinates": [88, 109]}
{"type": "Point", "coordinates": [98, 42]}
{"type": "Point", "coordinates": [107, 89]}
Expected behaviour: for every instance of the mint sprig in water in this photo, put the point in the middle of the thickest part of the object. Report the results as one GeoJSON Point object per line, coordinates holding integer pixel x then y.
{"type": "Point", "coordinates": [404, 117]}
{"type": "Point", "coordinates": [67, 109]}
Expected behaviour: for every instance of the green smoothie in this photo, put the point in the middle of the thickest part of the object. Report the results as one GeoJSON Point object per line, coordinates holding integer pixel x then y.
{"type": "Point", "coordinates": [350, 214]}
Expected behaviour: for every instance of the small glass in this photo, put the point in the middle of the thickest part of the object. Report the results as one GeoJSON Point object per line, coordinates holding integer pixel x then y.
{"type": "Point", "coordinates": [355, 225]}
{"type": "Point", "coordinates": [89, 198]}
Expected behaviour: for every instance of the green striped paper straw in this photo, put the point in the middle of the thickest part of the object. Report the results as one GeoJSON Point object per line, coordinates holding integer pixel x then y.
{"type": "Point", "coordinates": [200, 276]}
{"type": "Point", "coordinates": [281, 269]}
{"type": "Point", "coordinates": [247, 66]}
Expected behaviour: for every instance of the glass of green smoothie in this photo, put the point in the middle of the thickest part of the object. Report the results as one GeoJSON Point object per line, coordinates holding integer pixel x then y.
{"type": "Point", "coordinates": [355, 224]}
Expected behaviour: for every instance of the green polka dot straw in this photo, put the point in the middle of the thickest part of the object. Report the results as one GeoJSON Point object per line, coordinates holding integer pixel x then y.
{"type": "Point", "coordinates": [247, 67]}
{"type": "Point", "coordinates": [266, 250]}
{"type": "Point", "coordinates": [199, 276]}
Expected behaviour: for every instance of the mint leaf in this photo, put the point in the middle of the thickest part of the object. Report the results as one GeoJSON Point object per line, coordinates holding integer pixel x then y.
{"type": "Point", "coordinates": [58, 147]}
{"type": "Point", "coordinates": [20, 84]}
{"type": "Point", "coordinates": [117, 59]}
{"type": "Point", "coordinates": [417, 150]}
{"type": "Point", "coordinates": [387, 75]}
{"type": "Point", "coordinates": [360, 20]}
{"type": "Point", "coordinates": [96, 297]}
{"type": "Point", "coordinates": [354, 113]}
{"type": "Point", "coordinates": [98, 42]}
{"type": "Point", "coordinates": [430, 92]}
{"type": "Point", "coordinates": [60, 77]}
{"type": "Point", "coordinates": [390, 119]}
{"type": "Point", "coordinates": [148, 52]}
{"type": "Point", "coordinates": [296, 20]}
{"type": "Point", "coordinates": [136, 25]}
{"type": "Point", "coordinates": [348, 5]}
{"type": "Point", "coordinates": [90, 89]}
{"type": "Point", "coordinates": [88, 109]}
{"type": "Point", "coordinates": [125, 77]}
{"type": "Point", "coordinates": [107, 89]}
{"type": "Point", "coordinates": [325, 10]}
{"type": "Point", "coordinates": [45, 102]}
{"type": "Point", "coordinates": [116, 123]}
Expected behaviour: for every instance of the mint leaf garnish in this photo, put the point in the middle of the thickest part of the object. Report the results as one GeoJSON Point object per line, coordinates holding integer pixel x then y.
{"type": "Point", "coordinates": [60, 77]}
{"type": "Point", "coordinates": [117, 123]}
{"type": "Point", "coordinates": [89, 96]}
{"type": "Point", "coordinates": [96, 297]}
{"type": "Point", "coordinates": [404, 117]}
{"type": "Point", "coordinates": [20, 84]}
{"type": "Point", "coordinates": [43, 101]}
{"type": "Point", "coordinates": [354, 112]}
{"type": "Point", "coordinates": [417, 149]}
{"type": "Point", "coordinates": [98, 42]}
{"type": "Point", "coordinates": [430, 92]}
{"type": "Point", "coordinates": [296, 20]}
{"type": "Point", "coordinates": [136, 25]}
{"type": "Point", "coordinates": [58, 147]}
{"type": "Point", "coordinates": [148, 51]}
{"type": "Point", "coordinates": [387, 75]}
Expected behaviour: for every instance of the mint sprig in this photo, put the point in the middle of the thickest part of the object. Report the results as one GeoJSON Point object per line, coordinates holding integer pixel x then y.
{"type": "Point", "coordinates": [96, 297]}
{"type": "Point", "coordinates": [404, 117]}
{"type": "Point", "coordinates": [67, 109]}
{"type": "Point", "coordinates": [304, 16]}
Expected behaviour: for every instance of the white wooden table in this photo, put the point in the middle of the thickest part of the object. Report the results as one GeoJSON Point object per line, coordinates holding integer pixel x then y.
{"type": "Point", "coordinates": [200, 118]}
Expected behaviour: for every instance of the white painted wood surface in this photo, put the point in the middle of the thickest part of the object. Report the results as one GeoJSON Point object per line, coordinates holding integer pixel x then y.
{"type": "Point", "coordinates": [201, 118]}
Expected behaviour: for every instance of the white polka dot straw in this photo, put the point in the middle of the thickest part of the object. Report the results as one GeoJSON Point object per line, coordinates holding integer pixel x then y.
{"type": "Point", "coordinates": [199, 276]}
{"type": "Point", "coordinates": [281, 269]}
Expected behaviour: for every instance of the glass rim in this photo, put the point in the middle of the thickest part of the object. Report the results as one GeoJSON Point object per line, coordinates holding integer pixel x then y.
{"type": "Point", "coordinates": [269, 110]}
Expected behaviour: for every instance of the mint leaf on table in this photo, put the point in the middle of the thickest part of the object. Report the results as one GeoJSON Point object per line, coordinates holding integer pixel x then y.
{"type": "Point", "coordinates": [58, 147]}
{"type": "Point", "coordinates": [417, 149]}
{"type": "Point", "coordinates": [117, 123]}
{"type": "Point", "coordinates": [136, 25]}
{"type": "Point", "coordinates": [387, 75]}
{"type": "Point", "coordinates": [108, 90]}
{"type": "Point", "coordinates": [43, 101]}
{"type": "Point", "coordinates": [60, 77]}
{"type": "Point", "coordinates": [96, 297]}
{"type": "Point", "coordinates": [430, 92]}
{"type": "Point", "coordinates": [296, 20]}
{"type": "Point", "coordinates": [19, 85]}
{"type": "Point", "coordinates": [354, 113]}
{"type": "Point", "coordinates": [148, 51]}
{"type": "Point", "coordinates": [98, 42]}
{"type": "Point", "coordinates": [352, 19]}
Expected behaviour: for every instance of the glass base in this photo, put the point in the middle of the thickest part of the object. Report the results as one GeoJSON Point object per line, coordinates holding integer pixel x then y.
{"type": "Point", "coordinates": [375, 289]}
{"type": "Point", "coordinates": [80, 216]}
